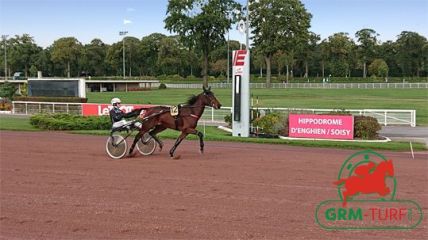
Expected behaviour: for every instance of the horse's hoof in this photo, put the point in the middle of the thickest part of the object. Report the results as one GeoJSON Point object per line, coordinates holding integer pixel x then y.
{"type": "Point", "coordinates": [201, 151]}
{"type": "Point", "coordinates": [176, 157]}
{"type": "Point", "coordinates": [132, 154]}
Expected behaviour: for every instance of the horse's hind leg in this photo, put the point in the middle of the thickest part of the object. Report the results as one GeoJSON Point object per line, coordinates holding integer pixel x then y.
{"type": "Point", "coordinates": [136, 139]}
{"type": "Point", "coordinates": [177, 142]}
{"type": "Point", "coordinates": [155, 131]}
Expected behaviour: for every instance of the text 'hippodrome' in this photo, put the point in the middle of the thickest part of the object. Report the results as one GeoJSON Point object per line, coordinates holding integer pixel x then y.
{"type": "Point", "coordinates": [317, 121]}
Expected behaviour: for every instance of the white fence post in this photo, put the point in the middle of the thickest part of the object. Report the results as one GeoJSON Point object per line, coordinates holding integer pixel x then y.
{"type": "Point", "coordinates": [386, 121]}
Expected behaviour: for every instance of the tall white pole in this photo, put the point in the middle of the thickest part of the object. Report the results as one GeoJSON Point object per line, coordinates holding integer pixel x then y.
{"type": "Point", "coordinates": [247, 27]}
{"type": "Point", "coordinates": [5, 56]}
{"type": "Point", "coordinates": [123, 57]}
{"type": "Point", "coordinates": [228, 56]}
{"type": "Point", "coordinates": [123, 33]}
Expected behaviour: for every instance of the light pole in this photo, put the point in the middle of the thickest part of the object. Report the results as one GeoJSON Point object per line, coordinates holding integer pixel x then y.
{"type": "Point", "coordinates": [123, 33]}
{"type": "Point", "coordinates": [247, 26]}
{"type": "Point", "coordinates": [228, 57]}
{"type": "Point", "coordinates": [5, 55]}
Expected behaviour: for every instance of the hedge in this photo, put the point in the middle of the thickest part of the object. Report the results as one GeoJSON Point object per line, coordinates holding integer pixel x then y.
{"type": "Point", "coordinates": [366, 127]}
{"type": "Point", "coordinates": [70, 122]}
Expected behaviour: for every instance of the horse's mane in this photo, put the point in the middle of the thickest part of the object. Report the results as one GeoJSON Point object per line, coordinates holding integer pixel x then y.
{"type": "Point", "coordinates": [192, 100]}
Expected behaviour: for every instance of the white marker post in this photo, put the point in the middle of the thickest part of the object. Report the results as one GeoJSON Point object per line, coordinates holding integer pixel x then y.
{"type": "Point", "coordinates": [241, 93]}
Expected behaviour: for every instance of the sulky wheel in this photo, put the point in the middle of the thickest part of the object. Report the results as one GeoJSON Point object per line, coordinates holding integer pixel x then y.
{"type": "Point", "coordinates": [146, 145]}
{"type": "Point", "coordinates": [116, 146]}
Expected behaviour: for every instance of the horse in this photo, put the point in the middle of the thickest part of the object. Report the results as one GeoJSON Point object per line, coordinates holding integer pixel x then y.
{"type": "Point", "coordinates": [157, 119]}
{"type": "Point", "coordinates": [369, 179]}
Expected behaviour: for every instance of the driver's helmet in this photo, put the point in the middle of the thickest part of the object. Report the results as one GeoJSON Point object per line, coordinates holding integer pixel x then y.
{"type": "Point", "coordinates": [115, 101]}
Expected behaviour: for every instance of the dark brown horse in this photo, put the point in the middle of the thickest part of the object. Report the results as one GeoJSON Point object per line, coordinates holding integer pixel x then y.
{"type": "Point", "coordinates": [160, 118]}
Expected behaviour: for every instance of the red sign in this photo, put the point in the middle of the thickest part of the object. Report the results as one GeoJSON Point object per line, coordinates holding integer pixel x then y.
{"type": "Point", "coordinates": [321, 126]}
{"type": "Point", "coordinates": [239, 57]}
{"type": "Point", "coordinates": [94, 109]}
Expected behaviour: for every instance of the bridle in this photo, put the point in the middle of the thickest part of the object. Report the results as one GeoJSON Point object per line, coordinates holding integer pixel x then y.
{"type": "Point", "coordinates": [211, 100]}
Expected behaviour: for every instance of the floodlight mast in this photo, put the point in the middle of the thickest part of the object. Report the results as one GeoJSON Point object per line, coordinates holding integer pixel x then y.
{"type": "Point", "coordinates": [5, 55]}
{"type": "Point", "coordinates": [123, 33]}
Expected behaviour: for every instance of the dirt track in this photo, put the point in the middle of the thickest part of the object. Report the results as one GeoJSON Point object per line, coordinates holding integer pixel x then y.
{"type": "Point", "coordinates": [63, 186]}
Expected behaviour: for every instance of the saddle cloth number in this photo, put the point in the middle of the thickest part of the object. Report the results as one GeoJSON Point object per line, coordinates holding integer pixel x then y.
{"type": "Point", "coordinates": [174, 111]}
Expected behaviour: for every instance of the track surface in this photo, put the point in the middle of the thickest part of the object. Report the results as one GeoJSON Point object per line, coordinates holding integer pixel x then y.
{"type": "Point", "coordinates": [63, 186]}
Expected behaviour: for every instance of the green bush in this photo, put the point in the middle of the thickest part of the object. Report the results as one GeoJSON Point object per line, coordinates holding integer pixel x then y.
{"type": "Point", "coordinates": [162, 86]}
{"type": "Point", "coordinates": [271, 123]}
{"type": "Point", "coordinates": [228, 120]}
{"type": "Point", "coordinates": [70, 122]}
{"type": "Point", "coordinates": [366, 127]}
{"type": "Point", "coordinates": [7, 90]}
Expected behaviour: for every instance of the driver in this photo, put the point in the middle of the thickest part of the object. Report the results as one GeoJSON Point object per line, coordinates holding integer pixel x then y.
{"type": "Point", "coordinates": [117, 116]}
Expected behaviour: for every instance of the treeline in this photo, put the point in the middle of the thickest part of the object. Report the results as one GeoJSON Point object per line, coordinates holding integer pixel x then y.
{"type": "Point", "coordinates": [159, 55]}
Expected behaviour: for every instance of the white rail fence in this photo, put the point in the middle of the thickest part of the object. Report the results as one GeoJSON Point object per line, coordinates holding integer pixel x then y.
{"type": "Point", "coordinates": [306, 85]}
{"type": "Point", "coordinates": [216, 117]}
{"type": "Point", "coordinates": [29, 108]}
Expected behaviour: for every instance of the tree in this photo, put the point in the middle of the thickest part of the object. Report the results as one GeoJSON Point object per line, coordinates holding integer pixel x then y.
{"type": "Point", "coordinates": [93, 58]}
{"type": "Point", "coordinates": [66, 51]}
{"type": "Point", "coordinates": [43, 62]}
{"type": "Point", "coordinates": [171, 56]}
{"type": "Point", "coordinates": [322, 55]}
{"type": "Point", "coordinates": [307, 51]}
{"type": "Point", "coordinates": [149, 46]}
{"type": "Point", "coordinates": [22, 52]}
{"type": "Point", "coordinates": [114, 58]}
{"type": "Point", "coordinates": [339, 47]}
{"type": "Point", "coordinates": [410, 57]}
{"type": "Point", "coordinates": [201, 24]}
{"type": "Point", "coordinates": [378, 68]}
{"type": "Point", "coordinates": [219, 67]}
{"type": "Point", "coordinates": [219, 56]}
{"type": "Point", "coordinates": [388, 51]}
{"type": "Point", "coordinates": [367, 39]}
{"type": "Point", "coordinates": [7, 90]}
{"type": "Point", "coordinates": [278, 25]}
{"type": "Point", "coordinates": [132, 55]}
{"type": "Point", "coordinates": [258, 60]}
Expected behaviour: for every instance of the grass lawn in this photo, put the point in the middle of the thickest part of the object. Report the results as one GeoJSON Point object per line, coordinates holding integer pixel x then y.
{"type": "Point", "coordinates": [407, 99]}
{"type": "Point", "coordinates": [18, 123]}
{"type": "Point", "coordinates": [214, 134]}
{"type": "Point", "coordinates": [8, 122]}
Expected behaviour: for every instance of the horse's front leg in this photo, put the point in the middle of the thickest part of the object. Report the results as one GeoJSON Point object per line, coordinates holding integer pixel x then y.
{"type": "Point", "coordinates": [177, 142]}
{"type": "Point", "coordinates": [201, 138]}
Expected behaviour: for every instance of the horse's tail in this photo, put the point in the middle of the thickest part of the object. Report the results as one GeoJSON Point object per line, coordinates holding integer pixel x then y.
{"type": "Point", "coordinates": [339, 182]}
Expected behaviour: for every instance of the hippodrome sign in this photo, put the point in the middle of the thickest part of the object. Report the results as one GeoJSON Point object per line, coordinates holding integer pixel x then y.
{"type": "Point", "coordinates": [321, 126]}
{"type": "Point", "coordinates": [93, 109]}
{"type": "Point", "coordinates": [241, 93]}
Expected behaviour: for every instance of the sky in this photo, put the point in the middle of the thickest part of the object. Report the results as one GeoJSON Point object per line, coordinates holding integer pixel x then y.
{"type": "Point", "coordinates": [48, 20]}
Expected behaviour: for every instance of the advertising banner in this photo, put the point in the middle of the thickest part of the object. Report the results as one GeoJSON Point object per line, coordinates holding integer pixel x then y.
{"type": "Point", "coordinates": [95, 109]}
{"type": "Point", "coordinates": [321, 126]}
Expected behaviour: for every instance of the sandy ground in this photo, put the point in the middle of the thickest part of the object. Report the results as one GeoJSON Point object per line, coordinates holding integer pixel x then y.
{"type": "Point", "coordinates": [64, 186]}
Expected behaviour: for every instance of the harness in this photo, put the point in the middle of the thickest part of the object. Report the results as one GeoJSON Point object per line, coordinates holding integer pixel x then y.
{"type": "Point", "coordinates": [175, 113]}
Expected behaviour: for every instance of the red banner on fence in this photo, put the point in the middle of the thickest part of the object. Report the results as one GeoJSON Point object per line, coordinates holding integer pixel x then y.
{"type": "Point", "coordinates": [321, 126]}
{"type": "Point", "coordinates": [94, 109]}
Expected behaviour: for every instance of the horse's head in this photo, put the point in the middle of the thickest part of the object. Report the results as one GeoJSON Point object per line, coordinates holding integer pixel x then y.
{"type": "Point", "coordinates": [209, 99]}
